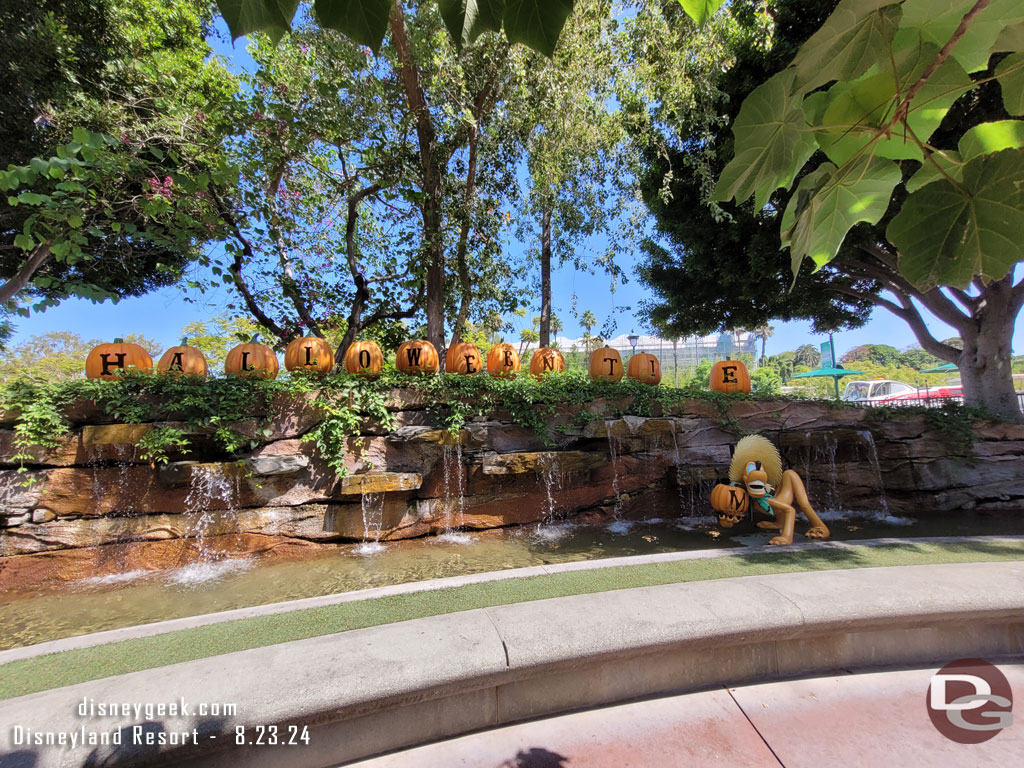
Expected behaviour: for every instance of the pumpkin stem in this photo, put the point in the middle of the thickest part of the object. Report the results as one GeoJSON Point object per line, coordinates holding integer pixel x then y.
{"type": "Point", "coordinates": [119, 341]}
{"type": "Point", "coordinates": [184, 341]}
{"type": "Point", "coordinates": [255, 339]}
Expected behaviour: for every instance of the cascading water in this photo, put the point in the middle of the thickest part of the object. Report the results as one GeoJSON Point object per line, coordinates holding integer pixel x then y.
{"type": "Point", "coordinates": [876, 467]}
{"type": "Point", "coordinates": [454, 501]}
{"type": "Point", "coordinates": [210, 486]}
{"type": "Point", "coordinates": [821, 455]}
{"type": "Point", "coordinates": [373, 522]}
{"type": "Point", "coordinates": [552, 478]}
{"type": "Point", "coordinates": [617, 525]}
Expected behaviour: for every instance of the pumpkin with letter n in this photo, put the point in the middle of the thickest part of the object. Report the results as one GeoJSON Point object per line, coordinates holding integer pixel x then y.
{"type": "Point", "coordinates": [546, 360]}
{"type": "Point", "coordinates": [606, 365]}
{"type": "Point", "coordinates": [183, 359]}
{"type": "Point", "coordinates": [644, 367]}
{"type": "Point", "coordinates": [730, 376]}
{"type": "Point", "coordinates": [364, 358]}
{"type": "Point", "coordinates": [417, 357]}
{"type": "Point", "coordinates": [730, 502]}
{"type": "Point", "coordinates": [503, 361]}
{"type": "Point", "coordinates": [463, 359]}
{"type": "Point", "coordinates": [309, 353]}
{"type": "Point", "coordinates": [252, 360]}
{"type": "Point", "coordinates": [108, 361]}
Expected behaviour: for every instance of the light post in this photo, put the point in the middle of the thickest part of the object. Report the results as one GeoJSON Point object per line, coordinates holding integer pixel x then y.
{"type": "Point", "coordinates": [633, 339]}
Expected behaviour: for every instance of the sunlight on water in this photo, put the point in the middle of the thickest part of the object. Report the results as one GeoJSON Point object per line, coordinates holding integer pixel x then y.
{"type": "Point", "coordinates": [197, 574]}
{"type": "Point", "coordinates": [111, 578]}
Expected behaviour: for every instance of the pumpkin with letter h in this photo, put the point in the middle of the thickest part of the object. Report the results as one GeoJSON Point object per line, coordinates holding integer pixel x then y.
{"type": "Point", "coordinates": [108, 361]}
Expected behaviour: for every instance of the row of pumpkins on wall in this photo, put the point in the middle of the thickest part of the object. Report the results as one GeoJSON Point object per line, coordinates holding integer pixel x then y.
{"type": "Point", "coordinates": [365, 358]}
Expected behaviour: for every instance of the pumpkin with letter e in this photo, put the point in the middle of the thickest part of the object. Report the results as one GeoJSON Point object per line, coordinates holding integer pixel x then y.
{"type": "Point", "coordinates": [730, 376]}
{"type": "Point", "coordinates": [417, 357]}
{"type": "Point", "coordinates": [183, 359]}
{"type": "Point", "coordinates": [364, 358]}
{"type": "Point", "coordinates": [309, 353]}
{"type": "Point", "coordinates": [546, 360]}
{"type": "Point", "coordinates": [107, 361]}
{"type": "Point", "coordinates": [252, 360]}
{"type": "Point", "coordinates": [503, 361]}
{"type": "Point", "coordinates": [463, 359]}
{"type": "Point", "coordinates": [606, 365]}
{"type": "Point", "coordinates": [644, 367]}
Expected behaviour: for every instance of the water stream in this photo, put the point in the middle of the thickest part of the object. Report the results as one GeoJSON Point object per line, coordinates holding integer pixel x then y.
{"type": "Point", "coordinates": [454, 500]}
{"type": "Point", "coordinates": [373, 522]}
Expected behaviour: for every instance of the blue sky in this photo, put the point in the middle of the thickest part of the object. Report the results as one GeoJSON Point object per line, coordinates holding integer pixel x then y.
{"type": "Point", "coordinates": [162, 315]}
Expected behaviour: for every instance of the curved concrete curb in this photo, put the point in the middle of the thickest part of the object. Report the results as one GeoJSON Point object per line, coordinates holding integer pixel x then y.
{"type": "Point", "coordinates": [188, 622]}
{"type": "Point", "coordinates": [369, 691]}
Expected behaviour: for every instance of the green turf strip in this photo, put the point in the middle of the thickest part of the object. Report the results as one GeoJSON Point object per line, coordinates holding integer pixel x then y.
{"type": "Point", "coordinates": [42, 673]}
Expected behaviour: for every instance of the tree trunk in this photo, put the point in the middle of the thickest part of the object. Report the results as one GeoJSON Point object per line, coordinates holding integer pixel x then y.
{"type": "Point", "coordinates": [764, 343]}
{"type": "Point", "coordinates": [12, 287]}
{"type": "Point", "coordinates": [675, 360]}
{"type": "Point", "coordinates": [545, 279]}
{"type": "Point", "coordinates": [985, 361]}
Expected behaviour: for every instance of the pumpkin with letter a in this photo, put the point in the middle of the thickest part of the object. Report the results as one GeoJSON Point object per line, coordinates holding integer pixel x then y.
{"type": "Point", "coordinates": [183, 359]}
{"type": "Point", "coordinates": [546, 360]}
{"type": "Point", "coordinates": [417, 357]}
{"type": "Point", "coordinates": [309, 353]}
{"type": "Point", "coordinates": [107, 361]}
{"type": "Point", "coordinates": [503, 361]}
{"type": "Point", "coordinates": [364, 358]}
{"type": "Point", "coordinates": [730, 376]}
{"type": "Point", "coordinates": [252, 360]}
{"type": "Point", "coordinates": [463, 359]}
{"type": "Point", "coordinates": [644, 367]}
{"type": "Point", "coordinates": [606, 365]}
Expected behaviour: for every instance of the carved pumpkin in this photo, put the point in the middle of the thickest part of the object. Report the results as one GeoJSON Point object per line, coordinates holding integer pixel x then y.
{"type": "Point", "coordinates": [606, 365]}
{"type": "Point", "coordinates": [252, 360]}
{"type": "Point", "coordinates": [183, 359]}
{"type": "Point", "coordinates": [417, 357]}
{"type": "Point", "coordinates": [309, 353]}
{"type": "Point", "coordinates": [364, 358]}
{"type": "Point", "coordinates": [463, 359]}
{"type": "Point", "coordinates": [644, 367]}
{"type": "Point", "coordinates": [730, 376]}
{"type": "Point", "coordinates": [546, 360]}
{"type": "Point", "coordinates": [107, 361]}
{"type": "Point", "coordinates": [503, 361]}
{"type": "Point", "coordinates": [731, 499]}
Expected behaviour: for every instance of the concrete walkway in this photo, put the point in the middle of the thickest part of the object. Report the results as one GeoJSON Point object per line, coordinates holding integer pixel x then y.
{"type": "Point", "coordinates": [864, 720]}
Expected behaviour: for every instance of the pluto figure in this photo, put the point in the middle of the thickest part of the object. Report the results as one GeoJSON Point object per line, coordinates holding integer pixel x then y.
{"type": "Point", "coordinates": [758, 483]}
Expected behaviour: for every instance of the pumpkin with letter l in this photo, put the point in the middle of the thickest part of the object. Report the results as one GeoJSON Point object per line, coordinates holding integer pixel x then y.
{"type": "Point", "coordinates": [309, 353]}
{"type": "Point", "coordinates": [546, 360]}
{"type": "Point", "coordinates": [364, 358]}
{"type": "Point", "coordinates": [183, 359]}
{"type": "Point", "coordinates": [107, 361]}
{"type": "Point", "coordinates": [252, 360]}
{"type": "Point", "coordinates": [606, 365]}
{"type": "Point", "coordinates": [417, 357]}
{"type": "Point", "coordinates": [463, 359]}
{"type": "Point", "coordinates": [644, 367]}
{"type": "Point", "coordinates": [730, 376]}
{"type": "Point", "coordinates": [503, 361]}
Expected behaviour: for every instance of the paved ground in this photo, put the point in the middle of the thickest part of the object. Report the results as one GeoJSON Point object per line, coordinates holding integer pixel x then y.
{"type": "Point", "coordinates": [862, 720]}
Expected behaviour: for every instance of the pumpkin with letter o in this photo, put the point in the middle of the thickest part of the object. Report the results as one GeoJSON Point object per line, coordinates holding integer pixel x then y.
{"type": "Point", "coordinates": [606, 365]}
{"type": "Point", "coordinates": [185, 360]}
{"type": "Point", "coordinates": [730, 502]}
{"type": "Point", "coordinates": [730, 376]}
{"type": "Point", "coordinates": [364, 358]}
{"type": "Point", "coordinates": [546, 360]}
{"type": "Point", "coordinates": [416, 358]}
{"type": "Point", "coordinates": [463, 359]}
{"type": "Point", "coordinates": [107, 361]}
{"type": "Point", "coordinates": [644, 367]}
{"type": "Point", "coordinates": [503, 361]}
{"type": "Point", "coordinates": [252, 360]}
{"type": "Point", "coordinates": [309, 353]}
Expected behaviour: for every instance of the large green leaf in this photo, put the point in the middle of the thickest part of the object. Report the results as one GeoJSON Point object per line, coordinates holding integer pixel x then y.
{"type": "Point", "coordinates": [820, 214]}
{"type": "Point", "coordinates": [938, 20]}
{"type": "Point", "coordinates": [855, 37]}
{"type": "Point", "coordinates": [468, 19]}
{"type": "Point", "coordinates": [980, 140]}
{"type": "Point", "coordinates": [772, 142]}
{"type": "Point", "coordinates": [364, 21]}
{"type": "Point", "coordinates": [700, 10]}
{"type": "Point", "coordinates": [1010, 39]}
{"type": "Point", "coordinates": [949, 234]}
{"type": "Point", "coordinates": [1011, 80]}
{"type": "Point", "coordinates": [536, 23]}
{"type": "Point", "coordinates": [936, 166]}
{"type": "Point", "coordinates": [245, 16]}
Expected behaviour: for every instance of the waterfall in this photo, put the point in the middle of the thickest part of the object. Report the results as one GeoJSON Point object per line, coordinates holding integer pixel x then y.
{"type": "Point", "coordinates": [676, 461]}
{"type": "Point", "coordinates": [822, 455]}
{"type": "Point", "coordinates": [547, 463]}
{"type": "Point", "coordinates": [876, 467]}
{"type": "Point", "coordinates": [208, 483]}
{"type": "Point", "coordinates": [454, 501]}
{"type": "Point", "coordinates": [373, 521]}
{"type": "Point", "coordinates": [613, 454]}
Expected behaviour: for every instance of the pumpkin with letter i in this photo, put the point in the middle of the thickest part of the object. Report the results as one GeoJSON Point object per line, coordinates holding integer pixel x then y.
{"type": "Point", "coordinates": [183, 359]}
{"type": "Point", "coordinates": [730, 376]}
{"type": "Point", "coordinates": [364, 358]}
{"type": "Point", "coordinates": [309, 353]}
{"type": "Point", "coordinates": [463, 359]}
{"type": "Point", "coordinates": [252, 360]}
{"type": "Point", "coordinates": [107, 361]}
{"type": "Point", "coordinates": [415, 358]}
{"type": "Point", "coordinates": [546, 360]}
{"type": "Point", "coordinates": [644, 367]}
{"type": "Point", "coordinates": [503, 361]}
{"type": "Point", "coordinates": [606, 365]}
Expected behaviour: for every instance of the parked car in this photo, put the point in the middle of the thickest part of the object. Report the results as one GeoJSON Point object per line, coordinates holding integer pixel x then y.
{"type": "Point", "coordinates": [889, 392]}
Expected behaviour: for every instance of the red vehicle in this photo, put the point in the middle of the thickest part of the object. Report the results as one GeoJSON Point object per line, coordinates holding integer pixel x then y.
{"type": "Point", "coordinates": [888, 392]}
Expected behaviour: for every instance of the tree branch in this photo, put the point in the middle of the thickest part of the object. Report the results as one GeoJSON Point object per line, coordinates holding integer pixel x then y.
{"type": "Point", "coordinates": [39, 256]}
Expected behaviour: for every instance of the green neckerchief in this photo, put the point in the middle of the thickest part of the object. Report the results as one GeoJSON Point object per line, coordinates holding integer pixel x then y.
{"type": "Point", "coordinates": [761, 502]}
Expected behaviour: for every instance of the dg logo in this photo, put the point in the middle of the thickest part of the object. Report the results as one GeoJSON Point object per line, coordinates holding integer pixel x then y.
{"type": "Point", "coordinates": [970, 701]}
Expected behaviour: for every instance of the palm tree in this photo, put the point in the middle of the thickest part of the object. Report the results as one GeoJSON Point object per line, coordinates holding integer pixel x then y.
{"type": "Point", "coordinates": [764, 331]}
{"type": "Point", "coordinates": [588, 321]}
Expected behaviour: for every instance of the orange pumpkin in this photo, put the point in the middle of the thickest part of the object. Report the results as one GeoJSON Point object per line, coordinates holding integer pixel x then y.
{"type": "Point", "coordinates": [730, 376]}
{"type": "Point", "coordinates": [185, 360]}
{"type": "Point", "coordinates": [546, 360]}
{"type": "Point", "coordinates": [463, 358]}
{"type": "Point", "coordinates": [417, 357]}
{"type": "Point", "coordinates": [252, 360]}
{"type": "Point", "coordinates": [606, 365]}
{"type": "Point", "coordinates": [503, 361]}
{"type": "Point", "coordinates": [106, 361]}
{"type": "Point", "coordinates": [644, 367]}
{"type": "Point", "coordinates": [309, 353]}
{"type": "Point", "coordinates": [729, 498]}
{"type": "Point", "coordinates": [364, 358]}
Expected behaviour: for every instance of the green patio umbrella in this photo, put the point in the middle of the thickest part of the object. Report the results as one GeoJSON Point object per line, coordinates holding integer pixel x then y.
{"type": "Point", "coordinates": [834, 373]}
{"type": "Point", "coordinates": [941, 369]}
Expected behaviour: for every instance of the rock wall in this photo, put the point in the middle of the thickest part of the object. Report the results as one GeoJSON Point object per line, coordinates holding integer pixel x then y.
{"type": "Point", "coordinates": [91, 500]}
